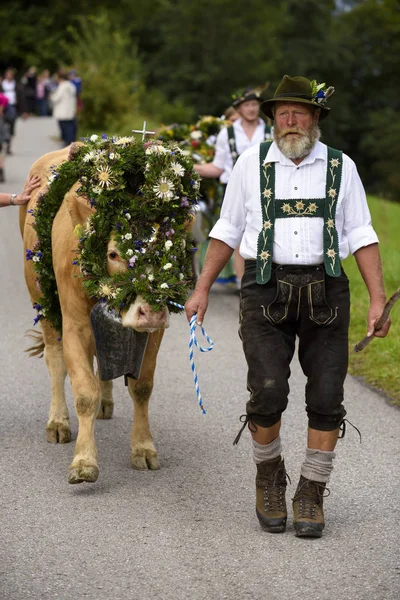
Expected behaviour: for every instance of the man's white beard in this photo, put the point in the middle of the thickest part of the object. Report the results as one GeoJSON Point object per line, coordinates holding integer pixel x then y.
{"type": "Point", "coordinates": [298, 146]}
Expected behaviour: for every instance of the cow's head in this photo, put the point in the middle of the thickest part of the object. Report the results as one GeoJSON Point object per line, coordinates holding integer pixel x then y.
{"type": "Point", "coordinates": [139, 315]}
{"type": "Point", "coordinates": [135, 250]}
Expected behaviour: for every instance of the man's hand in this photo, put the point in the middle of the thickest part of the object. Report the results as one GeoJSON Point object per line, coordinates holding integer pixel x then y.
{"type": "Point", "coordinates": [32, 183]}
{"type": "Point", "coordinates": [374, 313]}
{"type": "Point", "coordinates": [197, 305]}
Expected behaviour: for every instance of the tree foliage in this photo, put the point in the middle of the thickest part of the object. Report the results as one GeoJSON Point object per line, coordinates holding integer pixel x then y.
{"type": "Point", "coordinates": [174, 60]}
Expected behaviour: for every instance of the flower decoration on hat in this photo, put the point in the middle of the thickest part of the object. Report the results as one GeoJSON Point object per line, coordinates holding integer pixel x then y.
{"type": "Point", "coordinates": [320, 93]}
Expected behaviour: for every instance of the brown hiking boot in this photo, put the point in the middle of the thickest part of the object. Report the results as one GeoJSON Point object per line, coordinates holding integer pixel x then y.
{"type": "Point", "coordinates": [308, 513]}
{"type": "Point", "coordinates": [270, 495]}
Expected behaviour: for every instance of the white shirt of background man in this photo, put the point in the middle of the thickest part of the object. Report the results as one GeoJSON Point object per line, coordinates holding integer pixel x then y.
{"type": "Point", "coordinates": [223, 157]}
{"type": "Point", "coordinates": [297, 240]}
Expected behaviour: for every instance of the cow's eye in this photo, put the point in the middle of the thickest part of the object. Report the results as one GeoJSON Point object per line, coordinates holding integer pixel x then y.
{"type": "Point", "coordinates": [113, 255]}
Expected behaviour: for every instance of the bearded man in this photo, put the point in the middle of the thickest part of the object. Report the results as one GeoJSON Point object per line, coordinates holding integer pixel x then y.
{"type": "Point", "coordinates": [296, 208]}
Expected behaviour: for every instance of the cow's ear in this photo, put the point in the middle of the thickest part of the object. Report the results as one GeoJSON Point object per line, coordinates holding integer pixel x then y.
{"type": "Point", "coordinates": [78, 206]}
{"type": "Point", "coordinates": [73, 148]}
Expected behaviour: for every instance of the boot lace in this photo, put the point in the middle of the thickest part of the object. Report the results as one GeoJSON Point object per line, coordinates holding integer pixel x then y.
{"type": "Point", "coordinates": [274, 490]}
{"type": "Point", "coordinates": [310, 495]}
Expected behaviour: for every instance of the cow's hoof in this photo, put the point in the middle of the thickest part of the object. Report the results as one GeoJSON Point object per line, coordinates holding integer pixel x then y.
{"type": "Point", "coordinates": [58, 433]}
{"type": "Point", "coordinates": [106, 411]}
{"type": "Point", "coordinates": [81, 474]}
{"type": "Point", "coordinates": [145, 461]}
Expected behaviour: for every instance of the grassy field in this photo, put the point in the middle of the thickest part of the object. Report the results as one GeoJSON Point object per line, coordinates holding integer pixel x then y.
{"type": "Point", "coordinates": [378, 364]}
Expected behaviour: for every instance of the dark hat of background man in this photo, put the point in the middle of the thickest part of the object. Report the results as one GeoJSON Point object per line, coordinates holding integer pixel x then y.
{"type": "Point", "coordinates": [299, 89]}
{"type": "Point", "coordinates": [249, 93]}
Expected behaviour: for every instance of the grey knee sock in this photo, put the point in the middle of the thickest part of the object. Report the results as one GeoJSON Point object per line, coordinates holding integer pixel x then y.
{"type": "Point", "coordinates": [262, 452]}
{"type": "Point", "coordinates": [318, 465]}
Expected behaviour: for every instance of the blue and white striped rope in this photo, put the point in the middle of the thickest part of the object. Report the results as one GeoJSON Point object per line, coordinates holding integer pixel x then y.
{"type": "Point", "coordinates": [193, 342]}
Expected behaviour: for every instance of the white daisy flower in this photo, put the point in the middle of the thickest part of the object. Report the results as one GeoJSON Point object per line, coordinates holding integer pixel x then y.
{"type": "Point", "coordinates": [94, 138]}
{"type": "Point", "coordinates": [129, 252]}
{"type": "Point", "coordinates": [164, 189]}
{"type": "Point", "coordinates": [128, 216]}
{"type": "Point", "coordinates": [128, 236]}
{"type": "Point", "coordinates": [181, 276]}
{"type": "Point", "coordinates": [123, 141]}
{"type": "Point", "coordinates": [177, 169]}
{"type": "Point", "coordinates": [167, 266]}
{"type": "Point", "coordinates": [89, 156]}
{"type": "Point", "coordinates": [106, 290]}
{"type": "Point", "coordinates": [168, 245]}
{"type": "Point", "coordinates": [105, 176]}
{"type": "Point", "coordinates": [156, 149]}
{"type": "Point", "coordinates": [164, 286]}
{"type": "Point", "coordinates": [150, 277]}
{"type": "Point", "coordinates": [196, 135]}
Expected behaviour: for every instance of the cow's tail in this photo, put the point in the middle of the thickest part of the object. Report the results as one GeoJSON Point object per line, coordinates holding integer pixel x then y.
{"type": "Point", "coordinates": [37, 349]}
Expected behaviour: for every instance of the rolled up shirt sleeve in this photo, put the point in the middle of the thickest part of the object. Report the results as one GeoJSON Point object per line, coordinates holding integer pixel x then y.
{"type": "Point", "coordinates": [221, 157]}
{"type": "Point", "coordinates": [357, 217]}
{"type": "Point", "coordinates": [230, 226]}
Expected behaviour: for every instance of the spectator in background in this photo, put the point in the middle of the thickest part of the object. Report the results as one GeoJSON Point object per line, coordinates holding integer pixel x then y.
{"type": "Point", "coordinates": [4, 133]}
{"type": "Point", "coordinates": [77, 81]}
{"type": "Point", "coordinates": [63, 100]}
{"type": "Point", "coordinates": [42, 95]}
{"type": "Point", "coordinates": [14, 92]}
{"type": "Point", "coordinates": [29, 83]}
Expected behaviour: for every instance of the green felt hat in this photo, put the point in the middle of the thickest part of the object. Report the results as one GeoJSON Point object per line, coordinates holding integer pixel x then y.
{"type": "Point", "coordinates": [249, 93]}
{"type": "Point", "coordinates": [299, 89]}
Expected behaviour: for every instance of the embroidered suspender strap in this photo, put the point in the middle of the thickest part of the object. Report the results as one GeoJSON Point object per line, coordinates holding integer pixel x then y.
{"type": "Point", "coordinates": [232, 144]}
{"type": "Point", "coordinates": [331, 243]}
{"type": "Point", "coordinates": [266, 237]}
{"type": "Point", "coordinates": [267, 132]}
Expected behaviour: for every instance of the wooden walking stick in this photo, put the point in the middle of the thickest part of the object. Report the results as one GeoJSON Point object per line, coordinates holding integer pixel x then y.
{"type": "Point", "coordinates": [380, 322]}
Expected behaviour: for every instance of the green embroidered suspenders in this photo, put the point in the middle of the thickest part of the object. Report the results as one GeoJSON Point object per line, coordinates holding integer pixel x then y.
{"type": "Point", "coordinates": [313, 207]}
{"type": "Point", "coordinates": [232, 141]}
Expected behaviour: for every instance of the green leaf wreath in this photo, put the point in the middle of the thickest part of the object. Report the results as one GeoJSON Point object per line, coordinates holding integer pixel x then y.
{"type": "Point", "coordinates": [143, 197]}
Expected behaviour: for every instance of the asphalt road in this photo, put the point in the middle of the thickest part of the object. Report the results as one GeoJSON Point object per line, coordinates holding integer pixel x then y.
{"type": "Point", "coordinates": [188, 531]}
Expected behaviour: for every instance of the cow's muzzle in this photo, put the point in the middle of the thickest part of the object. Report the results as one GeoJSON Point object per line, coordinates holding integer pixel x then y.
{"type": "Point", "coordinates": [142, 317]}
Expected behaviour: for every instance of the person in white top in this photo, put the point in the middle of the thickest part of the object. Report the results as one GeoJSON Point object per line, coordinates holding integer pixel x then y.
{"type": "Point", "coordinates": [296, 208]}
{"type": "Point", "coordinates": [63, 100]}
{"type": "Point", "coordinates": [246, 131]}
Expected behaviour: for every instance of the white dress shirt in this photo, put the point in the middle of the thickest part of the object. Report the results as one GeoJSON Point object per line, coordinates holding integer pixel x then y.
{"type": "Point", "coordinates": [297, 240]}
{"type": "Point", "coordinates": [223, 156]}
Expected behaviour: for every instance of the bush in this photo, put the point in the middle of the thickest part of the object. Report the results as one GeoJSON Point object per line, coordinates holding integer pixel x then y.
{"type": "Point", "coordinates": [107, 62]}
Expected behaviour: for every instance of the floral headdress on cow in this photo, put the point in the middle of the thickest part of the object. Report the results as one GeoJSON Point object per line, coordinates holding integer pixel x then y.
{"type": "Point", "coordinates": [142, 196]}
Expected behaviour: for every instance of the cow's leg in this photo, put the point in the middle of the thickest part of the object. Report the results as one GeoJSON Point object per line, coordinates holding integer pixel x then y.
{"type": "Point", "coordinates": [143, 452]}
{"type": "Point", "coordinates": [107, 403]}
{"type": "Point", "coordinates": [79, 355]}
{"type": "Point", "coordinates": [57, 428]}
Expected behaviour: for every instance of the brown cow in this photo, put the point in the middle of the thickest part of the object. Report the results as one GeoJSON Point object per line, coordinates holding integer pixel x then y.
{"type": "Point", "coordinates": [75, 353]}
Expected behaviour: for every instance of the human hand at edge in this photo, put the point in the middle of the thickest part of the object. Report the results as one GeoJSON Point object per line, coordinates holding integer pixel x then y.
{"type": "Point", "coordinates": [197, 305]}
{"type": "Point", "coordinates": [32, 183]}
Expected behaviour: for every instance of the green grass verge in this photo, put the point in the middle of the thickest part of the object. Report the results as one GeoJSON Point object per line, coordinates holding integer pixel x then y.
{"type": "Point", "coordinates": [378, 363]}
